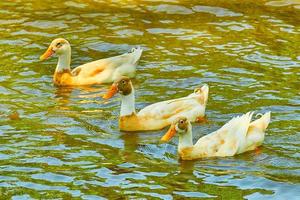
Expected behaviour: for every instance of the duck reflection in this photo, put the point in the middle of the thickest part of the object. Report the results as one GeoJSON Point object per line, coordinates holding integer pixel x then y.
{"type": "Point", "coordinates": [131, 144]}
{"type": "Point", "coordinates": [86, 93]}
{"type": "Point", "coordinates": [186, 166]}
{"type": "Point", "coordinates": [62, 95]}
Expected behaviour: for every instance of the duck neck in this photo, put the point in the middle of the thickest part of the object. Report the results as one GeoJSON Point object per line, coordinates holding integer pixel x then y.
{"type": "Point", "coordinates": [185, 139]}
{"type": "Point", "coordinates": [127, 104]}
{"type": "Point", "coordinates": [64, 61]}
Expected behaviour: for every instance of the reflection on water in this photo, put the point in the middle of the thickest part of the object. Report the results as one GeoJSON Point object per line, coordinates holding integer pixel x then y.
{"type": "Point", "coordinates": [64, 142]}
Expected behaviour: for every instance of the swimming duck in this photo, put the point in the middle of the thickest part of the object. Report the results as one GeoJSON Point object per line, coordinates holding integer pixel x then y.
{"type": "Point", "coordinates": [100, 71]}
{"type": "Point", "coordinates": [158, 115]}
{"type": "Point", "coordinates": [236, 136]}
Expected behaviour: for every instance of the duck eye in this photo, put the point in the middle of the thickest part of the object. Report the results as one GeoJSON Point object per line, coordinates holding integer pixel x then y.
{"type": "Point", "coordinates": [181, 121]}
{"type": "Point", "coordinates": [58, 44]}
{"type": "Point", "coordinates": [123, 82]}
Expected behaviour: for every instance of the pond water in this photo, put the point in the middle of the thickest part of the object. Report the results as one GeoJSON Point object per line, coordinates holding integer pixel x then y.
{"type": "Point", "coordinates": [64, 142]}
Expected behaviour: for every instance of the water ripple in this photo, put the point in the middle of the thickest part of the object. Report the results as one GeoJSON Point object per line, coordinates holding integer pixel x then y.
{"type": "Point", "coordinates": [65, 143]}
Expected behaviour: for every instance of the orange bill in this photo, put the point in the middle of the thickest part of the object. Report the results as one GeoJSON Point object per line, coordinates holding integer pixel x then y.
{"type": "Point", "coordinates": [47, 54]}
{"type": "Point", "coordinates": [171, 132]}
{"type": "Point", "coordinates": [111, 92]}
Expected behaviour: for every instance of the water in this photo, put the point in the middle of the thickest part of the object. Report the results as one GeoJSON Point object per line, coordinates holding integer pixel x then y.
{"type": "Point", "coordinates": [64, 142]}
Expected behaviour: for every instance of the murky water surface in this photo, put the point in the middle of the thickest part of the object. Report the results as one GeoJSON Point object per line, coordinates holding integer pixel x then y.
{"type": "Point", "coordinates": [65, 142]}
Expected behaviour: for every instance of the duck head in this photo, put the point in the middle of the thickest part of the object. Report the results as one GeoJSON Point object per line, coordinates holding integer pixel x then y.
{"type": "Point", "coordinates": [123, 86]}
{"type": "Point", "coordinates": [58, 46]}
{"type": "Point", "coordinates": [181, 126]}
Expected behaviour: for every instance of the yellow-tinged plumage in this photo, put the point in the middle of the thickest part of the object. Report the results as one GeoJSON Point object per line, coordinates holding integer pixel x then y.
{"type": "Point", "coordinates": [158, 115]}
{"type": "Point", "coordinates": [97, 72]}
{"type": "Point", "coordinates": [237, 136]}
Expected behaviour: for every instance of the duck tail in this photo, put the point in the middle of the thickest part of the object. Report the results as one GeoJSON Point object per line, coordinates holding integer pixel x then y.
{"type": "Point", "coordinates": [205, 91]}
{"type": "Point", "coordinates": [263, 122]}
{"type": "Point", "coordinates": [201, 93]}
{"type": "Point", "coordinates": [136, 54]}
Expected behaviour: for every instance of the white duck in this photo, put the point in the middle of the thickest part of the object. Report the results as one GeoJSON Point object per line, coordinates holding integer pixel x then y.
{"type": "Point", "coordinates": [158, 115]}
{"type": "Point", "coordinates": [237, 136]}
{"type": "Point", "coordinates": [97, 72]}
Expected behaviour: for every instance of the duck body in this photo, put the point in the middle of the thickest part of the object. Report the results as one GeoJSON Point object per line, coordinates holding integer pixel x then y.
{"type": "Point", "coordinates": [161, 114]}
{"type": "Point", "coordinates": [235, 137]}
{"type": "Point", "coordinates": [97, 72]}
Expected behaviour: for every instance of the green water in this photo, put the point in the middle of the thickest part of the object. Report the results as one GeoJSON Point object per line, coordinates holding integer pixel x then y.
{"type": "Point", "coordinates": [65, 144]}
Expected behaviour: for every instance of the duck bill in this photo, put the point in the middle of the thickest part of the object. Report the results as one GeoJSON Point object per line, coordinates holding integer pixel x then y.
{"type": "Point", "coordinates": [111, 92]}
{"type": "Point", "coordinates": [171, 132]}
{"type": "Point", "coordinates": [47, 54]}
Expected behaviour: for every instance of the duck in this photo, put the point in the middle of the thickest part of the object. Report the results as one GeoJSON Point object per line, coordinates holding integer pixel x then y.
{"type": "Point", "coordinates": [97, 72]}
{"type": "Point", "coordinates": [235, 137]}
{"type": "Point", "coordinates": [158, 115]}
